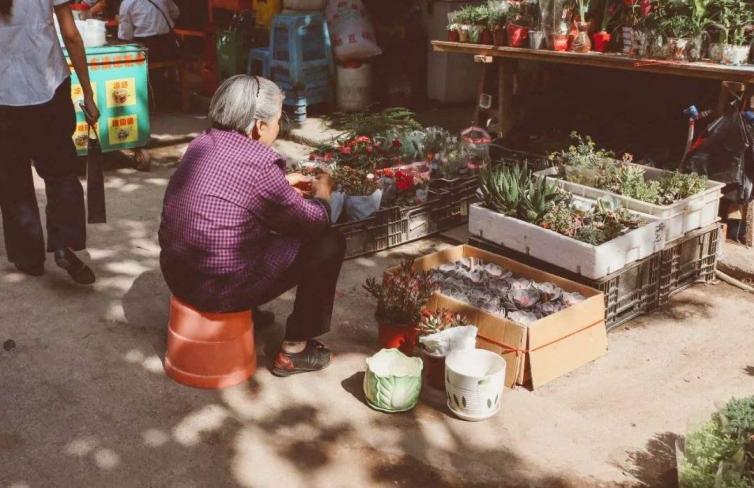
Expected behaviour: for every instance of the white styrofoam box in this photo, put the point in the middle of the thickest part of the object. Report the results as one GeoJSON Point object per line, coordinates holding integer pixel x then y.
{"type": "Point", "coordinates": [451, 77]}
{"type": "Point", "coordinates": [353, 87]}
{"type": "Point", "coordinates": [593, 262]}
{"type": "Point", "coordinates": [681, 217]}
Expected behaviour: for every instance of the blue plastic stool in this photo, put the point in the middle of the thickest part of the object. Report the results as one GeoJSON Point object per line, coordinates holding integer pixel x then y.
{"type": "Point", "coordinates": [299, 60]}
{"type": "Point", "coordinates": [259, 55]}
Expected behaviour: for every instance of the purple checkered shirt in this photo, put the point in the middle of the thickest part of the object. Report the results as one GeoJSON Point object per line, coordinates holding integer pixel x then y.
{"type": "Point", "coordinates": [231, 223]}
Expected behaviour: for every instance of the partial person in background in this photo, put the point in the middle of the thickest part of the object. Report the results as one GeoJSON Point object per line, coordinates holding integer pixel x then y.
{"type": "Point", "coordinates": [151, 23]}
{"type": "Point", "coordinates": [37, 122]}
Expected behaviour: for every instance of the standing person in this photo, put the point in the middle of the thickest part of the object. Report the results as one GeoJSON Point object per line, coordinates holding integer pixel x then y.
{"type": "Point", "coordinates": [150, 22]}
{"type": "Point", "coordinates": [236, 233]}
{"type": "Point", "coordinates": [37, 121]}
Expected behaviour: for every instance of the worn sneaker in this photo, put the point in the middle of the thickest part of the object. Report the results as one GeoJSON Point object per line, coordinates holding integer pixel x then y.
{"type": "Point", "coordinates": [313, 358]}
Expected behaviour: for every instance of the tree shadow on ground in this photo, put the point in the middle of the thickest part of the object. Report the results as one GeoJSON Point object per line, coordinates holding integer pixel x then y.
{"type": "Point", "coordinates": [655, 466]}
{"type": "Point", "coordinates": [749, 370]}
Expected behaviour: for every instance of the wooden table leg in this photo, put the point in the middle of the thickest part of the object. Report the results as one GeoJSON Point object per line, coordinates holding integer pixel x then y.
{"type": "Point", "coordinates": [505, 114]}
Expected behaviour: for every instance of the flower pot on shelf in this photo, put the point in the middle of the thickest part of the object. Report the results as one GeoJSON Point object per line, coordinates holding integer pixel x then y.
{"type": "Point", "coordinates": [559, 42]}
{"type": "Point", "coordinates": [453, 36]}
{"type": "Point", "coordinates": [600, 41]}
{"type": "Point", "coordinates": [475, 33]}
{"type": "Point", "coordinates": [463, 34]}
{"type": "Point", "coordinates": [694, 49]}
{"type": "Point", "coordinates": [397, 336]}
{"type": "Point", "coordinates": [581, 42]}
{"type": "Point", "coordinates": [434, 370]}
{"type": "Point", "coordinates": [715, 52]}
{"type": "Point", "coordinates": [518, 35]}
{"type": "Point", "coordinates": [486, 37]}
{"type": "Point", "coordinates": [735, 55]}
{"type": "Point", "coordinates": [536, 39]}
{"type": "Point", "coordinates": [677, 49]}
{"type": "Point", "coordinates": [627, 39]}
{"type": "Point", "coordinates": [498, 37]}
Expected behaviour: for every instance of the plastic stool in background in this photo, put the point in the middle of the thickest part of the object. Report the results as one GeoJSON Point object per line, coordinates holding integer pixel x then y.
{"type": "Point", "coordinates": [259, 55]}
{"type": "Point", "coordinates": [301, 60]}
{"type": "Point", "coordinates": [209, 350]}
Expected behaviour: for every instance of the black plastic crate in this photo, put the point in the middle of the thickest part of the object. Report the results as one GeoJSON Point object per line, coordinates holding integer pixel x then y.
{"type": "Point", "coordinates": [629, 293]}
{"type": "Point", "coordinates": [688, 260]}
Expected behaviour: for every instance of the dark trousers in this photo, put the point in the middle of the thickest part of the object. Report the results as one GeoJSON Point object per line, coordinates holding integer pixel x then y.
{"type": "Point", "coordinates": [315, 272]}
{"type": "Point", "coordinates": [43, 134]}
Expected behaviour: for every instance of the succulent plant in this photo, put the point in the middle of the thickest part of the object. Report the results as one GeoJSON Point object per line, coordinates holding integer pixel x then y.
{"type": "Point", "coordinates": [524, 298]}
{"type": "Point", "coordinates": [402, 294]}
{"type": "Point", "coordinates": [435, 321]}
{"type": "Point", "coordinates": [502, 188]}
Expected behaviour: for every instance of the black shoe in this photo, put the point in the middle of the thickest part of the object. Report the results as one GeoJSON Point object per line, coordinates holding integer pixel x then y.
{"type": "Point", "coordinates": [314, 357]}
{"type": "Point", "coordinates": [262, 318]}
{"type": "Point", "coordinates": [79, 272]}
{"type": "Point", "coordinates": [36, 269]}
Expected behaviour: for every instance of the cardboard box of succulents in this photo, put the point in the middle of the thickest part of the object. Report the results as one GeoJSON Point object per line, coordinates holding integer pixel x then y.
{"type": "Point", "coordinates": [543, 349]}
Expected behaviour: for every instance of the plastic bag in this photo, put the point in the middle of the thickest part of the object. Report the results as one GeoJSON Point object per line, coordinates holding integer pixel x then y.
{"type": "Point", "coordinates": [449, 340]}
{"type": "Point", "coordinates": [362, 207]}
{"type": "Point", "coordinates": [352, 33]}
{"type": "Point", "coordinates": [337, 199]}
{"type": "Point", "coordinates": [725, 152]}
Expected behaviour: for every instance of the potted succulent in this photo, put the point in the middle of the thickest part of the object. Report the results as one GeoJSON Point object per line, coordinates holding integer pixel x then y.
{"type": "Point", "coordinates": [463, 20]}
{"type": "Point", "coordinates": [400, 295]}
{"type": "Point", "coordinates": [518, 25]}
{"type": "Point", "coordinates": [701, 11]}
{"type": "Point", "coordinates": [601, 39]}
{"type": "Point", "coordinates": [433, 322]}
{"type": "Point", "coordinates": [733, 19]}
{"type": "Point", "coordinates": [477, 23]}
{"type": "Point", "coordinates": [484, 24]}
{"type": "Point", "coordinates": [581, 42]}
{"type": "Point", "coordinates": [496, 24]}
{"type": "Point", "coordinates": [680, 27]}
{"type": "Point", "coordinates": [536, 33]}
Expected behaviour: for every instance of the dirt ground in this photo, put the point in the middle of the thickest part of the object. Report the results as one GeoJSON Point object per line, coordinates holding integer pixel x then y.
{"type": "Point", "coordinates": [84, 400]}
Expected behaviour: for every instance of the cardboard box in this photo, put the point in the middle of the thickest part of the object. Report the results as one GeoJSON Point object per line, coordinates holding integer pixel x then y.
{"type": "Point", "coordinates": [546, 349]}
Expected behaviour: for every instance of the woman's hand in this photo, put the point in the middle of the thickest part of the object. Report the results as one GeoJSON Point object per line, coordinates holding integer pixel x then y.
{"type": "Point", "coordinates": [90, 109]}
{"type": "Point", "coordinates": [322, 187]}
{"type": "Point", "coordinates": [301, 183]}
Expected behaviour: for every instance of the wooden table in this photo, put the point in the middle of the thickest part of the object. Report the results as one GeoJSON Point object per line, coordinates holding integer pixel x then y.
{"type": "Point", "coordinates": [732, 78]}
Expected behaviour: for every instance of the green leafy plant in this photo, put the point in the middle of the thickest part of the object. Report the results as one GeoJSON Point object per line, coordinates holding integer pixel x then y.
{"type": "Point", "coordinates": [372, 123]}
{"type": "Point", "coordinates": [502, 188]}
{"type": "Point", "coordinates": [734, 19]}
{"type": "Point", "coordinates": [402, 294]}
{"type": "Point", "coordinates": [721, 452]}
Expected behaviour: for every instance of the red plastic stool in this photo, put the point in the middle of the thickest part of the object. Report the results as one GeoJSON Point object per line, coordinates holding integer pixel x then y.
{"type": "Point", "coordinates": [209, 350]}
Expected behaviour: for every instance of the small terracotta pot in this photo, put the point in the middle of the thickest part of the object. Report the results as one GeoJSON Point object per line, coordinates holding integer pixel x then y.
{"type": "Point", "coordinates": [434, 370]}
{"type": "Point", "coordinates": [600, 41]}
{"type": "Point", "coordinates": [499, 37]}
{"type": "Point", "coordinates": [453, 36]}
{"type": "Point", "coordinates": [518, 36]}
{"type": "Point", "coordinates": [397, 336]}
{"type": "Point", "coordinates": [486, 37]}
{"type": "Point", "coordinates": [559, 42]}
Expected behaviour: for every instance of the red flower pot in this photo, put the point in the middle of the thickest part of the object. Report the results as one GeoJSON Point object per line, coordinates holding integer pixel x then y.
{"type": "Point", "coordinates": [486, 37]}
{"type": "Point", "coordinates": [559, 42]}
{"type": "Point", "coordinates": [453, 36]}
{"type": "Point", "coordinates": [498, 37]}
{"type": "Point", "coordinates": [600, 40]}
{"type": "Point", "coordinates": [434, 370]}
{"type": "Point", "coordinates": [398, 336]}
{"type": "Point", "coordinates": [518, 36]}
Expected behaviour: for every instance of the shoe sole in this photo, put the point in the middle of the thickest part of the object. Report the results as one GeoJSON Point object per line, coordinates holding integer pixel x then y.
{"type": "Point", "coordinates": [283, 373]}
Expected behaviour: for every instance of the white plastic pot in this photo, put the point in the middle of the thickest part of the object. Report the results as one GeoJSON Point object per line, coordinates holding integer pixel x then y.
{"type": "Point", "coordinates": [354, 87]}
{"type": "Point", "coordinates": [716, 52]}
{"type": "Point", "coordinates": [735, 55]}
{"type": "Point", "coordinates": [474, 382]}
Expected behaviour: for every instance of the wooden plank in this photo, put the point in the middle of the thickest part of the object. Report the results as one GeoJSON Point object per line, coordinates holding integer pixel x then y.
{"type": "Point", "coordinates": [744, 74]}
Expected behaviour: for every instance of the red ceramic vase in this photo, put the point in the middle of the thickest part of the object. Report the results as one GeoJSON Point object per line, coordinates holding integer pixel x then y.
{"type": "Point", "coordinates": [498, 37]}
{"type": "Point", "coordinates": [401, 337]}
{"type": "Point", "coordinates": [518, 36]}
{"type": "Point", "coordinates": [600, 41]}
{"type": "Point", "coordinates": [434, 370]}
{"type": "Point", "coordinates": [453, 36]}
{"type": "Point", "coordinates": [559, 42]}
{"type": "Point", "coordinates": [486, 38]}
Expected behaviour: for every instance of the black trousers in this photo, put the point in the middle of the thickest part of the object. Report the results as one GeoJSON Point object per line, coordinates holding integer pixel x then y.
{"type": "Point", "coordinates": [315, 272]}
{"type": "Point", "coordinates": [43, 134]}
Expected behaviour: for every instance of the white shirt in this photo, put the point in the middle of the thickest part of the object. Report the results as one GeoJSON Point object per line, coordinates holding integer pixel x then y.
{"type": "Point", "coordinates": [32, 65]}
{"type": "Point", "coordinates": [139, 18]}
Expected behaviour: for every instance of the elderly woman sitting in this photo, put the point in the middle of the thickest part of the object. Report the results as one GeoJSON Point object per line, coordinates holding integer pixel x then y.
{"type": "Point", "coordinates": [236, 232]}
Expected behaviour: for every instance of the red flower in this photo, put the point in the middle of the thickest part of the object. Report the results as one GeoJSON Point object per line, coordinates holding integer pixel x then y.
{"type": "Point", "coordinates": [311, 157]}
{"type": "Point", "coordinates": [362, 139]}
{"type": "Point", "coordinates": [345, 150]}
{"type": "Point", "coordinates": [369, 149]}
{"type": "Point", "coordinates": [646, 7]}
{"type": "Point", "coordinates": [403, 181]}
{"type": "Point", "coordinates": [396, 143]}
{"type": "Point", "coordinates": [328, 156]}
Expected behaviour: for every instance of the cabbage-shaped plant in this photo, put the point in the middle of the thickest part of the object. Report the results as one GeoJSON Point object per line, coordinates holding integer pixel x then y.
{"type": "Point", "coordinates": [393, 381]}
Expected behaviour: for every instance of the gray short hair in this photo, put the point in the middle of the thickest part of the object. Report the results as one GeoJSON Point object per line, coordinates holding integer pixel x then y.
{"type": "Point", "coordinates": [241, 100]}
